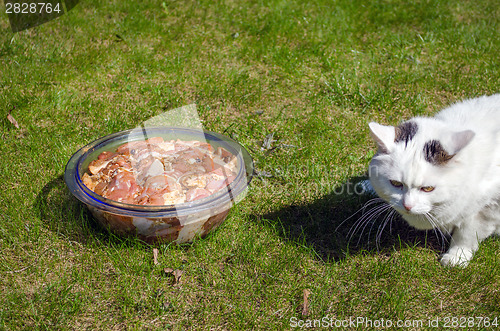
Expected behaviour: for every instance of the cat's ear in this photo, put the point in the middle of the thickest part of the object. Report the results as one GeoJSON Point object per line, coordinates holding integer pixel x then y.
{"type": "Point", "coordinates": [383, 136]}
{"type": "Point", "coordinates": [461, 139]}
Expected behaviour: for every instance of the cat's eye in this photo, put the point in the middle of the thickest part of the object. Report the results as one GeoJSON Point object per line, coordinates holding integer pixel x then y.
{"type": "Point", "coordinates": [395, 183]}
{"type": "Point", "coordinates": [427, 188]}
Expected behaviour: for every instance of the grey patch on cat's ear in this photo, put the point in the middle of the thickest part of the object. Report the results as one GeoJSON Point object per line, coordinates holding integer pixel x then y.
{"type": "Point", "coordinates": [434, 153]}
{"type": "Point", "coordinates": [405, 132]}
{"type": "Point", "coordinates": [383, 136]}
{"type": "Point", "coordinates": [461, 139]}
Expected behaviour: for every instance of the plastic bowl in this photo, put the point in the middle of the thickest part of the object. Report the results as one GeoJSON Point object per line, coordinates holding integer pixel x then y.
{"type": "Point", "coordinates": [178, 223]}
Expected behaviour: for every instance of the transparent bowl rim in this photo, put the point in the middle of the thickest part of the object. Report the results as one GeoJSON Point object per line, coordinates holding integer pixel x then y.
{"type": "Point", "coordinates": [227, 197]}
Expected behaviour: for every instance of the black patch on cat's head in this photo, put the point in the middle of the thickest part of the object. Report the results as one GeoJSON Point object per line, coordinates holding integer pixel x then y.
{"type": "Point", "coordinates": [405, 132]}
{"type": "Point", "coordinates": [434, 153]}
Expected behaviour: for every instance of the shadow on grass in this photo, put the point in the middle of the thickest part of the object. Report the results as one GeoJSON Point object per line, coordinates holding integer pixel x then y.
{"type": "Point", "coordinates": [69, 218]}
{"type": "Point", "coordinates": [344, 223]}
{"type": "Point", "coordinates": [335, 225]}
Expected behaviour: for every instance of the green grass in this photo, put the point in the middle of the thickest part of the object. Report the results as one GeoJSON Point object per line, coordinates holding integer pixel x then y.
{"type": "Point", "coordinates": [313, 73]}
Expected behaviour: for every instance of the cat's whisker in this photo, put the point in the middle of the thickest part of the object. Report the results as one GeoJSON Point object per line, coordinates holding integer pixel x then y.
{"type": "Point", "coordinates": [388, 219]}
{"type": "Point", "coordinates": [367, 218]}
{"type": "Point", "coordinates": [442, 236]}
{"type": "Point", "coordinates": [372, 202]}
{"type": "Point", "coordinates": [436, 231]}
{"type": "Point", "coordinates": [362, 210]}
{"type": "Point", "coordinates": [372, 210]}
{"type": "Point", "coordinates": [384, 222]}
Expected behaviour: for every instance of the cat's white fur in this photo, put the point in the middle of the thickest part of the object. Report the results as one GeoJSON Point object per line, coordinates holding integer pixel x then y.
{"type": "Point", "coordinates": [465, 201]}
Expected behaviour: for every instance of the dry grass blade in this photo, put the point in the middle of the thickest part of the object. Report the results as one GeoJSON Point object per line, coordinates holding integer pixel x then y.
{"type": "Point", "coordinates": [12, 119]}
{"type": "Point", "coordinates": [16, 271]}
{"type": "Point", "coordinates": [305, 305]}
{"type": "Point", "coordinates": [155, 256]}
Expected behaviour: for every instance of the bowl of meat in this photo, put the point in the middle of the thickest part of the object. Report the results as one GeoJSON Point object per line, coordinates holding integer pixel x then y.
{"type": "Point", "coordinates": [162, 184]}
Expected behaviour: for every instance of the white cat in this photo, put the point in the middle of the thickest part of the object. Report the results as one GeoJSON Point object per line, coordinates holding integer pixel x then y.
{"type": "Point", "coordinates": [444, 172]}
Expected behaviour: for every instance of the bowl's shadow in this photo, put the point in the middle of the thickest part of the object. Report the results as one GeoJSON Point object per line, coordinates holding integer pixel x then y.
{"type": "Point", "coordinates": [64, 215]}
{"type": "Point", "coordinates": [345, 222]}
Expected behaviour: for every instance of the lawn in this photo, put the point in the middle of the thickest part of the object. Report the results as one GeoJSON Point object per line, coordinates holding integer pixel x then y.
{"type": "Point", "coordinates": [298, 250]}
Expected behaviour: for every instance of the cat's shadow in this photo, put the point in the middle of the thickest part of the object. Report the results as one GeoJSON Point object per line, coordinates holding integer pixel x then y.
{"type": "Point", "coordinates": [345, 222]}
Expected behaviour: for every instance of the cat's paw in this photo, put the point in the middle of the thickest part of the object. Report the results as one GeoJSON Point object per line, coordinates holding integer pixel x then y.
{"type": "Point", "coordinates": [457, 257]}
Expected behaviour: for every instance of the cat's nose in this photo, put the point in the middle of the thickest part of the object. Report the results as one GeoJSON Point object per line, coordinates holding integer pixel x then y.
{"type": "Point", "coordinates": [407, 206]}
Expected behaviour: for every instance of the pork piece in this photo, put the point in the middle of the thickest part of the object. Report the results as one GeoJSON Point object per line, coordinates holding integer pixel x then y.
{"type": "Point", "coordinates": [217, 185]}
{"type": "Point", "coordinates": [197, 193]}
{"type": "Point", "coordinates": [159, 172]}
{"type": "Point", "coordinates": [122, 187]}
{"type": "Point", "coordinates": [174, 197]}
{"type": "Point", "coordinates": [193, 180]}
{"type": "Point", "coordinates": [97, 165]}
{"type": "Point", "coordinates": [89, 182]}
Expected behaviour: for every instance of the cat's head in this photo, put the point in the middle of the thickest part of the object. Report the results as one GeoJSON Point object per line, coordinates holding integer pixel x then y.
{"type": "Point", "coordinates": [417, 168]}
